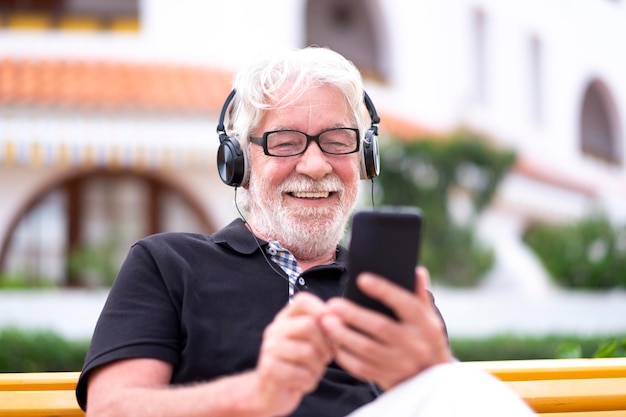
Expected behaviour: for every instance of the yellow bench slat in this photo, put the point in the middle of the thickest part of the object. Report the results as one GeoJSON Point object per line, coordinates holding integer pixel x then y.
{"type": "Point", "coordinates": [551, 396]}
{"type": "Point", "coordinates": [618, 413]}
{"type": "Point", "coordinates": [38, 381]}
{"type": "Point", "coordinates": [541, 369]}
{"type": "Point", "coordinates": [57, 403]}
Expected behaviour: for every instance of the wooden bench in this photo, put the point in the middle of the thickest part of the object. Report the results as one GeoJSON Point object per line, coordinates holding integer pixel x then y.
{"type": "Point", "coordinates": [566, 387]}
{"type": "Point", "coordinates": [553, 388]}
{"type": "Point", "coordinates": [45, 394]}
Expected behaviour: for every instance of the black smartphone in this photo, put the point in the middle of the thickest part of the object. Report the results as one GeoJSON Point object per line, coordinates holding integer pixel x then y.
{"type": "Point", "coordinates": [385, 242]}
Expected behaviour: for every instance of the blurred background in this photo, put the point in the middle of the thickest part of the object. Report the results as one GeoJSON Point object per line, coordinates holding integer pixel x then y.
{"type": "Point", "coordinates": [503, 121]}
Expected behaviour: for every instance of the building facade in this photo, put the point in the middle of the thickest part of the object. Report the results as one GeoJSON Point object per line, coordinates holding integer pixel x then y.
{"type": "Point", "coordinates": [108, 111]}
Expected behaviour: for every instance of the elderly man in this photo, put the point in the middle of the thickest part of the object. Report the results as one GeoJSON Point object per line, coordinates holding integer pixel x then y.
{"type": "Point", "coordinates": [249, 321]}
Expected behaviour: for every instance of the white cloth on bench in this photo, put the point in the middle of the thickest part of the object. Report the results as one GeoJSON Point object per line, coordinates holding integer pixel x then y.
{"type": "Point", "coordinates": [447, 391]}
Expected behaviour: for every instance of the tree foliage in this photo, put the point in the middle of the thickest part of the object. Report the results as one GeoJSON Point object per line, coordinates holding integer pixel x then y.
{"type": "Point", "coordinates": [431, 173]}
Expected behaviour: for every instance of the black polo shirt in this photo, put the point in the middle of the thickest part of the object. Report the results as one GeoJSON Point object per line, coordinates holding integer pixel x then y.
{"type": "Point", "coordinates": [201, 303]}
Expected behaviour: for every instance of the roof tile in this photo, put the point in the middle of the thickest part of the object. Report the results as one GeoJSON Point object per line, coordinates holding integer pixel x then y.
{"type": "Point", "coordinates": [112, 85]}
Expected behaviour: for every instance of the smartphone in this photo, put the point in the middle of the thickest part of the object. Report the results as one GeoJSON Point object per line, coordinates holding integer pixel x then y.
{"type": "Point", "coordinates": [385, 242]}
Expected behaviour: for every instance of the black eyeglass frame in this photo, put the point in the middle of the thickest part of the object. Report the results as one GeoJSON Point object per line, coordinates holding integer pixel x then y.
{"type": "Point", "coordinates": [262, 141]}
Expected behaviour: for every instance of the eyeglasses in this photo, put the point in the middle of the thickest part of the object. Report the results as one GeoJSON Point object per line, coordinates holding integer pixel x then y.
{"type": "Point", "coordinates": [335, 141]}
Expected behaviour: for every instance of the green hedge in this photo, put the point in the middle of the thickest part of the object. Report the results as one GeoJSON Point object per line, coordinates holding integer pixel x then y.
{"type": "Point", "coordinates": [588, 254]}
{"type": "Point", "coordinates": [509, 347]}
{"type": "Point", "coordinates": [28, 351]}
{"type": "Point", "coordinates": [25, 351]}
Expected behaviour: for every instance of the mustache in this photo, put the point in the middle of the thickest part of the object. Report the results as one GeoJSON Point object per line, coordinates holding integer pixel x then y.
{"type": "Point", "coordinates": [330, 183]}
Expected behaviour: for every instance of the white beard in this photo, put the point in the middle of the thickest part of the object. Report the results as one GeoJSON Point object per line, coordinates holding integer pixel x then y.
{"type": "Point", "coordinates": [308, 232]}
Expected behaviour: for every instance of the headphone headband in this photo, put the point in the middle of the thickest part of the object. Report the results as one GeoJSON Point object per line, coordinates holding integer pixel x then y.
{"type": "Point", "coordinates": [221, 130]}
{"type": "Point", "coordinates": [371, 110]}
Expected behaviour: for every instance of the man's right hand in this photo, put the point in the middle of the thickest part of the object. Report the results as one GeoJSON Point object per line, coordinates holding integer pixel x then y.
{"type": "Point", "coordinates": [294, 355]}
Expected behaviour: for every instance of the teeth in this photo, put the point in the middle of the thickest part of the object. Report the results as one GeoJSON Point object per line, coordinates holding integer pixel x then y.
{"type": "Point", "coordinates": [311, 194]}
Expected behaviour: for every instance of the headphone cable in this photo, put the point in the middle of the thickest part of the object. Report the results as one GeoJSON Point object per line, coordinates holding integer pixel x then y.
{"type": "Point", "coordinates": [372, 195]}
{"type": "Point", "coordinates": [271, 264]}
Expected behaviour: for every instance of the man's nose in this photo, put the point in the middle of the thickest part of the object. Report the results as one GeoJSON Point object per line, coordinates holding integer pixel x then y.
{"type": "Point", "coordinates": [313, 162]}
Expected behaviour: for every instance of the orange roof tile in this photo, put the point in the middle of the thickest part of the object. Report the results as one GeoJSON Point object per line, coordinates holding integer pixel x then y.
{"type": "Point", "coordinates": [112, 85]}
{"type": "Point", "coordinates": [404, 129]}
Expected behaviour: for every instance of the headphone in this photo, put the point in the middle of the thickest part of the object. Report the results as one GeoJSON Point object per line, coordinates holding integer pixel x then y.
{"type": "Point", "coordinates": [232, 164]}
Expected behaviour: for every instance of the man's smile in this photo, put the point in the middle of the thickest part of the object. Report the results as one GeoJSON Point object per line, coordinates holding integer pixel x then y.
{"type": "Point", "coordinates": [311, 194]}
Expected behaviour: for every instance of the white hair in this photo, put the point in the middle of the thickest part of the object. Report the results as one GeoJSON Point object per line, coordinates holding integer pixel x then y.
{"type": "Point", "coordinates": [258, 85]}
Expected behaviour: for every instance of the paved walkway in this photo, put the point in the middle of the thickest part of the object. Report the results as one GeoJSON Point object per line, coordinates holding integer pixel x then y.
{"type": "Point", "coordinates": [468, 313]}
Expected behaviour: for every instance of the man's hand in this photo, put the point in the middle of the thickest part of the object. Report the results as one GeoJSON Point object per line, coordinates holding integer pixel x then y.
{"type": "Point", "coordinates": [374, 347]}
{"type": "Point", "coordinates": [294, 355]}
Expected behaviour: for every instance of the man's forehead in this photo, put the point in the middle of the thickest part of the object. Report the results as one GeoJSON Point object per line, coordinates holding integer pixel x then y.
{"type": "Point", "coordinates": [326, 107]}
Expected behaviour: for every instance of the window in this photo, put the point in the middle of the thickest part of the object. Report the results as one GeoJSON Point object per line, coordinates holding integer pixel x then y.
{"type": "Point", "coordinates": [598, 132]}
{"type": "Point", "coordinates": [536, 80]}
{"type": "Point", "coordinates": [82, 15]}
{"type": "Point", "coordinates": [479, 50]}
{"type": "Point", "coordinates": [350, 28]}
{"type": "Point", "coordinates": [78, 233]}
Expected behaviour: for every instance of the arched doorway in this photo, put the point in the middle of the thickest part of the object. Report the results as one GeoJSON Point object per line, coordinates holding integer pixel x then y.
{"type": "Point", "coordinates": [599, 127]}
{"type": "Point", "coordinates": [77, 232]}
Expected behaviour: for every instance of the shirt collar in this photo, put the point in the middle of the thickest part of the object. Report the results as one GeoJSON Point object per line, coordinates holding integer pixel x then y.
{"type": "Point", "coordinates": [238, 237]}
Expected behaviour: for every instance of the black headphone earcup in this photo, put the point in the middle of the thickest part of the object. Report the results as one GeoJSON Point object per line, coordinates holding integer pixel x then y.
{"type": "Point", "coordinates": [370, 158]}
{"type": "Point", "coordinates": [231, 163]}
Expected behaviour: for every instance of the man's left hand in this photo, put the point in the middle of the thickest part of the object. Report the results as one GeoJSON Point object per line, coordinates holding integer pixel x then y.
{"type": "Point", "coordinates": [374, 347]}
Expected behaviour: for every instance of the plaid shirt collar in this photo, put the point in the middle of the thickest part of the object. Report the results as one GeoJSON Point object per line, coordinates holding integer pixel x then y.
{"type": "Point", "coordinates": [287, 262]}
